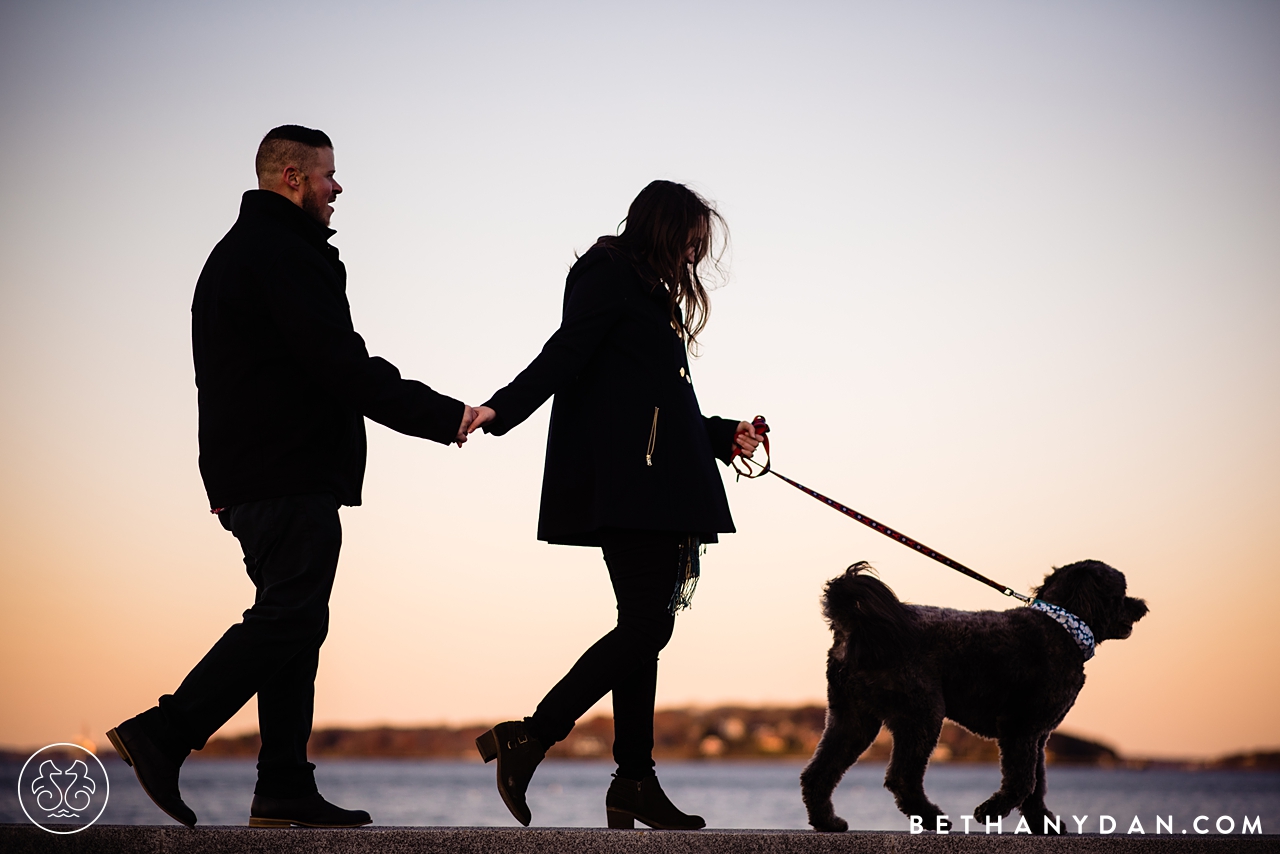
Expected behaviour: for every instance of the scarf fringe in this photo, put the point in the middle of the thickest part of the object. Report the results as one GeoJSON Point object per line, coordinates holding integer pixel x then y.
{"type": "Point", "coordinates": [690, 570]}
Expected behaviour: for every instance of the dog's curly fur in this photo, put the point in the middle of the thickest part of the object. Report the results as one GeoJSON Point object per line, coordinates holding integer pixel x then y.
{"type": "Point", "coordinates": [1007, 675]}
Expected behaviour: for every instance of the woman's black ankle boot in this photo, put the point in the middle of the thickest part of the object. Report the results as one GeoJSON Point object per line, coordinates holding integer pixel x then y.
{"type": "Point", "coordinates": [518, 754]}
{"type": "Point", "coordinates": [629, 800]}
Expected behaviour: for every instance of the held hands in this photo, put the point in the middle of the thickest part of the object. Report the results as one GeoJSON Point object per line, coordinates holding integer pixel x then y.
{"type": "Point", "coordinates": [483, 416]}
{"type": "Point", "coordinates": [473, 418]}
{"type": "Point", "coordinates": [468, 416]}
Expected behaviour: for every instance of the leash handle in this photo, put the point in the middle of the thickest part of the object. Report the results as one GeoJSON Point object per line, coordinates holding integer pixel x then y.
{"type": "Point", "coordinates": [742, 464]}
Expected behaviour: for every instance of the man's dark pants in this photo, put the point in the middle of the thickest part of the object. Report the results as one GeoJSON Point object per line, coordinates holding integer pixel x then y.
{"type": "Point", "coordinates": [290, 549]}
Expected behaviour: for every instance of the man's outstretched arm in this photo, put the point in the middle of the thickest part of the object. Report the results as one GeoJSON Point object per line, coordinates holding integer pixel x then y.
{"type": "Point", "coordinates": [314, 319]}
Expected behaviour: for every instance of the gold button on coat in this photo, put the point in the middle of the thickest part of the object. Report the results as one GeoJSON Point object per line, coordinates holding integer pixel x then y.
{"type": "Point", "coordinates": [682, 372]}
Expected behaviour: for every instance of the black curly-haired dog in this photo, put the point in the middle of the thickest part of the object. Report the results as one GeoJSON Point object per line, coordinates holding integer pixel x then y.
{"type": "Point", "coordinates": [1007, 675]}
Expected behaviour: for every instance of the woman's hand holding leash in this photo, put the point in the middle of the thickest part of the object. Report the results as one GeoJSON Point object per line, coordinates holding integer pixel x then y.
{"type": "Point", "coordinates": [746, 439]}
{"type": "Point", "coordinates": [750, 436]}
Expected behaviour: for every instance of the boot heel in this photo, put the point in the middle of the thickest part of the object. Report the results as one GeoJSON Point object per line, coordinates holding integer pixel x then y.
{"type": "Point", "coordinates": [254, 821]}
{"type": "Point", "coordinates": [487, 744]}
{"type": "Point", "coordinates": [619, 820]}
{"type": "Point", "coordinates": [118, 744]}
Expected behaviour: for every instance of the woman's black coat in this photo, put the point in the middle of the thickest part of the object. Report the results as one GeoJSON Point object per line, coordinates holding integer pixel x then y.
{"type": "Point", "coordinates": [620, 374]}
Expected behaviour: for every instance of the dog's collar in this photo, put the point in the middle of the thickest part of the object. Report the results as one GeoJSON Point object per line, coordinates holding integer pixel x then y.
{"type": "Point", "coordinates": [1076, 627]}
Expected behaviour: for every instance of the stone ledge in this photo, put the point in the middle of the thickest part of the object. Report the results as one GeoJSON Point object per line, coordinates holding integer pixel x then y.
{"type": "Point", "coordinates": [28, 839]}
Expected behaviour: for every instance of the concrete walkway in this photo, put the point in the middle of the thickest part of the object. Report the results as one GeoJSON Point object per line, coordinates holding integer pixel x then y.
{"type": "Point", "coordinates": [28, 839]}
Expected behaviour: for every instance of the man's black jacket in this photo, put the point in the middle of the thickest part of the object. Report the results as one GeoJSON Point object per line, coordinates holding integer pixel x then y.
{"type": "Point", "coordinates": [284, 380]}
{"type": "Point", "coordinates": [628, 446]}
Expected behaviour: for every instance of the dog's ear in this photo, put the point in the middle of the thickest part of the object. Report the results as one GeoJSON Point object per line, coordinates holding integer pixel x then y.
{"type": "Point", "coordinates": [1073, 587]}
{"type": "Point", "coordinates": [1091, 590]}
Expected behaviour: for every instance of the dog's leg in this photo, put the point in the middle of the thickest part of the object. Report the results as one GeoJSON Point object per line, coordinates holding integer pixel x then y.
{"type": "Point", "coordinates": [1017, 776]}
{"type": "Point", "coordinates": [914, 738]}
{"type": "Point", "coordinates": [1033, 807]}
{"type": "Point", "coordinates": [848, 732]}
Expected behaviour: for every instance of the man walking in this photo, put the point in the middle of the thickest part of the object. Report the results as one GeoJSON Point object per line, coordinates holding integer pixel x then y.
{"type": "Point", "coordinates": [284, 386]}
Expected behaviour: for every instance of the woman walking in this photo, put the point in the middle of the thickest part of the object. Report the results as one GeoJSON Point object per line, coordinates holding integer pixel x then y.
{"type": "Point", "coordinates": [630, 468]}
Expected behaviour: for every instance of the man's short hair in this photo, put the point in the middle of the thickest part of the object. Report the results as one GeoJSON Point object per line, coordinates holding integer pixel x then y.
{"type": "Point", "coordinates": [288, 145]}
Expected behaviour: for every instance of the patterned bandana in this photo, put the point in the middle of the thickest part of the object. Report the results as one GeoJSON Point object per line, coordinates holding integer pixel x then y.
{"type": "Point", "coordinates": [1076, 627]}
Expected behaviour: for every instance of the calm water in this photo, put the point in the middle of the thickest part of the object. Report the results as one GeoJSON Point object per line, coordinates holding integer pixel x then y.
{"type": "Point", "coordinates": [729, 795]}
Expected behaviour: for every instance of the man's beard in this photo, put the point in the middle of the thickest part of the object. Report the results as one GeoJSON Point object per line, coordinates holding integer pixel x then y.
{"type": "Point", "coordinates": [314, 205]}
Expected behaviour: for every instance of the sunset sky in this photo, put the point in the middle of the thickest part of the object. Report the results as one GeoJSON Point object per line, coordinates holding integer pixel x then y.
{"type": "Point", "coordinates": [1004, 275]}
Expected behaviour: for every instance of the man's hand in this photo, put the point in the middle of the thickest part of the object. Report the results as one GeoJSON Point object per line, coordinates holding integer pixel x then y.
{"type": "Point", "coordinates": [468, 417]}
{"type": "Point", "coordinates": [483, 416]}
{"type": "Point", "coordinates": [746, 438]}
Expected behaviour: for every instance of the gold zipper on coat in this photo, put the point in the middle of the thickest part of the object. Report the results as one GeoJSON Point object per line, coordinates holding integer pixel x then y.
{"type": "Point", "coordinates": [653, 437]}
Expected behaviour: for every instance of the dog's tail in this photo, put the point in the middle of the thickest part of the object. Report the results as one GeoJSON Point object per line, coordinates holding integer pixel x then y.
{"type": "Point", "coordinates": [879, 628]}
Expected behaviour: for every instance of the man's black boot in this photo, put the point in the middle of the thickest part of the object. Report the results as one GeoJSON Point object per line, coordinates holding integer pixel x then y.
{"type": "Point", "coordinates": [156, 772]}
{"type": "Point", "coordinates": [309, 811]}
{"type": "Point", "coordinates": [629, 800]}
{"type": "Point", "coordinates": [518, 754]}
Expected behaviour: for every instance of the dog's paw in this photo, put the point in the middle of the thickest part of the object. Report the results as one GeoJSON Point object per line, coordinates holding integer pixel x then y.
{"type": "Point", "coordinates": [834, 824]}
{"type": "Point", "coordinates": [991, 810]}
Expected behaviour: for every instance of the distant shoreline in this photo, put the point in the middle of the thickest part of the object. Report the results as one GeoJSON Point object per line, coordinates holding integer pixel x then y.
{"type": "Point", "coordinates": [722, 733]}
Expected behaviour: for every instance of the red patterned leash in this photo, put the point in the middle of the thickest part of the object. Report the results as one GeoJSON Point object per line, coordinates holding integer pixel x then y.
{"type": "Point", "coordinates": [743, 466]}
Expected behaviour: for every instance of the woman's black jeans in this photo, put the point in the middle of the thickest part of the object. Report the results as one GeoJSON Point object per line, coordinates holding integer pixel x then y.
{"type": "Point", "coordinates": [643, 566]}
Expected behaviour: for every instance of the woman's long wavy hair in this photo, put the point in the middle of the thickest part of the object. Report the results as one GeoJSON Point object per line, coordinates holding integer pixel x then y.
{"type": "Point", "coordinates": [663, 222]}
